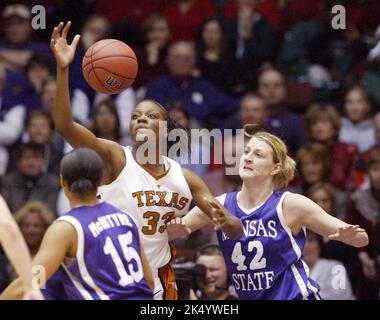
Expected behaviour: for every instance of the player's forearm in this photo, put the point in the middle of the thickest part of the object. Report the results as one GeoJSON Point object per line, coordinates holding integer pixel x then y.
{"type": "Point", "coordinates": [17, 252]}
{"type": "Point", "coordinates": [14, 291]}
{"type": "Point", "coordinates": [62, 113]}
{"type": "Point", "coordinates": [196, 219]}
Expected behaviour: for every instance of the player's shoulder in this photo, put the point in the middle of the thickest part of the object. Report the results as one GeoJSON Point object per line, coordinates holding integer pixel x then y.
{"type": "Point", "coordinates": [294, 202]}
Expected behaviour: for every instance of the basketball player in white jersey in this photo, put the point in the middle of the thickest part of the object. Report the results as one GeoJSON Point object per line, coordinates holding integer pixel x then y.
{"type": "Point", "coordinates": [153, 193]}
{"type": "Point", "coordinates": [15, 247]}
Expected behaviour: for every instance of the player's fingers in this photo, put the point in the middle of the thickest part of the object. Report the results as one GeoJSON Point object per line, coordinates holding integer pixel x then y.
{"type": "Point", "coordinates": [66, 29]}
{"type": "Point", "coordinates": [333, 236]}
{"type": "Point", "coordinates": [55, 33]}
{"type": "Point", "coordinates": [52, 42]}
{"type": "Point", "coordinates": [74, 44]}
{"type": "Point", "coordinates": [59, 28]}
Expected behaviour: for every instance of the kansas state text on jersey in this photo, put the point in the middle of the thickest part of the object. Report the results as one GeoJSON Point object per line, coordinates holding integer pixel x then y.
{"type": "Point", "coordinates": [267, 261]}
{"type": "Point", "coordinates": [107, 263]}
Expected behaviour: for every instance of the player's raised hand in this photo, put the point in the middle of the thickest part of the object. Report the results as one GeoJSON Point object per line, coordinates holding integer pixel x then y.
{"type": "Point", "coordinates": [177, 229]}
{"type": "Point", "coordinates": [63, 52]}
{"type": "Point", "coordinates": [346, 233]}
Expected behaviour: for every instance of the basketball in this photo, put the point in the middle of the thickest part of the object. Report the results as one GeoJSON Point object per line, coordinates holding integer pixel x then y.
{"type": "Point", "coordinates": [109, 66]}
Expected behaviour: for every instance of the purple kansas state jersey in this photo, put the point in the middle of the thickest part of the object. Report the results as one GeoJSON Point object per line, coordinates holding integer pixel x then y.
{"type": "Point", "coordinates": [107, 263]}
{"type": "Point", "coordinates": [267, 261]}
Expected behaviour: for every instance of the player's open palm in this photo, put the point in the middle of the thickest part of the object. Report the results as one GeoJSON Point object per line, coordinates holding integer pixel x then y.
{"type": "Point", "coordinates": [63, 52]}
{"type": "Point", "coordinates": [177, 229]}
{"type": "Point", "coordinates": [346, 233]}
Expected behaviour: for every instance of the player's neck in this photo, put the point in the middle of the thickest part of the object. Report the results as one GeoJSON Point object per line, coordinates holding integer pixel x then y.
{"type": "Point", "coordinates": [251, 197]}
{"type": "Point", "coordinates": [89, 201]}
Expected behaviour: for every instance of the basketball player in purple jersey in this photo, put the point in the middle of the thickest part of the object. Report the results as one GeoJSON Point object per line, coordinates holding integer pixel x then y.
{"type": "Point", "coordinates": [17, 252]}
{"type": "Point", "coordinates": [95, 245]}
{"type": "Point", "coordinates": [267, 261]}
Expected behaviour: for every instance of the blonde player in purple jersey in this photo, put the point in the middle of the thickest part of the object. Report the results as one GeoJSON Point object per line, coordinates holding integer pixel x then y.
{"type": "Point", "coordinates": [267, 261]}
{"type": "Point", "coordinates": [16, 250]}
{"type": "Point", "coordinates": [95, 247]}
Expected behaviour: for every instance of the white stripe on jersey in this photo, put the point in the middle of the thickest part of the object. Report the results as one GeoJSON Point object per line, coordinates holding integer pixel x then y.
{"type": "Point", "coordinates": [80, 257]}
{"type": "Point", "coordinates": [296, 249]}
{"type": "Point", "coordinates": [82, 290]}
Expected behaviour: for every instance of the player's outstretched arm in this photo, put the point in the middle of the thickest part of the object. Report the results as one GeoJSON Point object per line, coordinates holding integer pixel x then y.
{"type": "Point", "coordinates": [207, 203]}
{"type": "Point", "coordinates": [74, 133]}
{"type": "Point", "coordinates": [16, 250]}
{"type": "Point", "coordinates": [56, 244]}
{"type": "Point", "coordinates": [305, 212]}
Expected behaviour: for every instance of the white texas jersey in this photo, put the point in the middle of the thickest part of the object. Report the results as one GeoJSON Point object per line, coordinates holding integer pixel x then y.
{"type": "Point", "coordinates": [151, 201]}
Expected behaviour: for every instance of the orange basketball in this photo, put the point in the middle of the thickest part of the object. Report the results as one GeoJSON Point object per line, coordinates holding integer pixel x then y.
{"type": "Point", "coordinates": [109, 66]}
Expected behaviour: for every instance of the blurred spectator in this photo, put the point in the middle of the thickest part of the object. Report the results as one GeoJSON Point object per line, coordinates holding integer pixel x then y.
{"type": "Point", "coordinates": [12, 111]}
{"type": "Point", "coordinates": [26, 87]}
{"type": "Point", "coordinates": [371, 78]}
{"type": "Point", "coordinates": [315, 52]}
{"type": "Point", "coordinates": [270, 9]}
{"type": "Point", "coordinates": [325, 196]}
{"type": "Point", "coordinates": [138, 11]}
{"type": "Point", "coordinates": [96, 28]}
{"type": "Point", "coordinates": [206, 103]}
{"type": "Point", "coordinates": [361, 168]}
{"type": "Point", "coordinates": [315, 166]}
{"type": "Point", "coordinates": [33, 219]}
{"type": "Point", "coordinates": [323, 126]}
{"type": "Point", "coordinates": [364, 210]}
{"type": "Point", "coordinates": [252, 37]}
{"type": "Point", "coordinates": [22, 94]}
{"type": "Point", "coordinates": [253, 110]}
{"type": "Point", "coordinates": [215, 59]}
{"type": "Point", "coordinates": [106, 123]}
{"type": "Point", "coordinates": [40, 130]}
{"type": "Point", "coordinates": [357, 128]}
{"type": "Point", "coordinates": [281, 122]}
{"type": "Point", "coordinates": [199, 150]}
{"type": "Point", "coordinates": [30, 183]}
{"type": "Point", "coordinates": [185, 16]}
{"type": "Point", "coordinates": [48, 94]}
{"type": "Point", "coordinates": [215, 284]}
{"type": "Point", "coordinates": [226, 178]}
{"type": "Point", "coordinates": [331, 275]}
{"type": "Point", "coordinates": [152, 57]}
{"type": "Point", "coordinates": [18, 45]}
{"type": "Point", "coordinates": [297, 11]}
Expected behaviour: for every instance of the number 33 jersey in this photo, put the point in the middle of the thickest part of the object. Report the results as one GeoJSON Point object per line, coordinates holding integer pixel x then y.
{"type": "Point", "coordinates": [107, 264]}
{"type": "Point", "coordinates": [266, 263]}
{"type": "Point", "coordinates": [152, 201]}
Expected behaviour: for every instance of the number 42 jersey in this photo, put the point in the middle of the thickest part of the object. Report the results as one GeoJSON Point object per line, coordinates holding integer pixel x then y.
{"type": "Point", "coordinates": [266, 263]}
{"type": "Point", "coordinates": [107, 265]}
